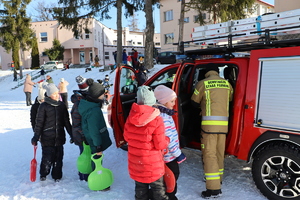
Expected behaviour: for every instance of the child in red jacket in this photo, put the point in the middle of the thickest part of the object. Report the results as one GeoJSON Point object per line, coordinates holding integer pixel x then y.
{"type": "Point", "coordinates": [145, 133]}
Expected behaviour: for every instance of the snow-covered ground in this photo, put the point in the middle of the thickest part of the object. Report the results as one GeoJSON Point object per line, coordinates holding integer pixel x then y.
{"type": "Point", "coordinates": [17, 152]}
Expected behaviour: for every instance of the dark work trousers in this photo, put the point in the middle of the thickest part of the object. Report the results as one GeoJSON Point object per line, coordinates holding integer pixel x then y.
{"type": "Point", "coordinates": [174, 167]}
{"type": "Point", "coordinates": [52, 157]}
{"type": "Point", "coordinates": [157, 188]}
{"type": "Point", "coordinates": [64, 98]}
{"type": "Point", "coordinates": [81, 175]}
{"type": "Point", "coordinates": [28, 98]}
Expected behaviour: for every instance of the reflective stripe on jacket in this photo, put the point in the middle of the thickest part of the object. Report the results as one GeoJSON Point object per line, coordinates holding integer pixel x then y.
{"type": "Point", "coordinates": [213, 94]}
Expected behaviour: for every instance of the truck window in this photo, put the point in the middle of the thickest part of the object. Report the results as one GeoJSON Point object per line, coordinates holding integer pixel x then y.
{"type": "Point", "coordinates": [128, 82]}
{"type": "Point", "coordinates": [227, 71]}
{"type": "Point", "coordinates": [167, 79]}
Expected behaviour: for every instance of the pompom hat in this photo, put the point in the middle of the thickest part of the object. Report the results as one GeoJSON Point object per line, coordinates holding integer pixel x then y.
{"type": "Point", "coordinates": [164, 94]}
{"type": "Point", "coordinates": [83, 86]}
{"type": "Point", "coordinates": [95, 89]}
{"type": "Point", "coordinates": [145, 96]}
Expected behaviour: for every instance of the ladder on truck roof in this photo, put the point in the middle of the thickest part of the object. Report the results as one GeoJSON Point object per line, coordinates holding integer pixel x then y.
{"type": "Point", "coordinates": [262, 32]}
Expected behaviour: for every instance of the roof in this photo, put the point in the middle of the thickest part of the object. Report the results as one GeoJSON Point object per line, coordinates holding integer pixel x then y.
{"type": "Point", "coordinates": [265, 3]}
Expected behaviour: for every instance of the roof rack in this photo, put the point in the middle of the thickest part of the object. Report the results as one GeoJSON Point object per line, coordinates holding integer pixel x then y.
{"type": "Point", "coordinates": [263, 42]}
{"type": "Point", "coordinates": [261, 32]}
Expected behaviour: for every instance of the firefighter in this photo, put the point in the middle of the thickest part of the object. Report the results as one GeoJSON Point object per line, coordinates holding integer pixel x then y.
{"type": "Point", "coordinates": [213, 95]}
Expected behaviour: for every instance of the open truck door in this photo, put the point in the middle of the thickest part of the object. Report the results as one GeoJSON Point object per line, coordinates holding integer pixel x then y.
{"type": "Point", "coordinates": [125, 89]}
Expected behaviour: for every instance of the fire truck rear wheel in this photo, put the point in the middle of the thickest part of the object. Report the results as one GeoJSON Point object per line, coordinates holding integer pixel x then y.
{"type": "Point", "coordinates": [276, 171]}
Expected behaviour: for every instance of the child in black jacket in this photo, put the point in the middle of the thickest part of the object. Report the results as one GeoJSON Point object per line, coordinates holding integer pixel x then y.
{"type": "Point", "coordinates": [52, 117]}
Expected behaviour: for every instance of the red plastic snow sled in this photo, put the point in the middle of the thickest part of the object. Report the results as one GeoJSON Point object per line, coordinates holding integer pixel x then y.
{"type": "Point", "coordinates": [33, 165]}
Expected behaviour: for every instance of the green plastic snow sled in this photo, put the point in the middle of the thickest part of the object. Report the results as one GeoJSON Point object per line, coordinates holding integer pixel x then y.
{"type": "Point", "coordinates": [84, 162]}
{"type": "Point", "coordinates": [101, 178]}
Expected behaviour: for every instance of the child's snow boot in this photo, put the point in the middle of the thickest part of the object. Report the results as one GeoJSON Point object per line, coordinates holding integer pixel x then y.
{"type": "Point", "coordinates": [208, 194]}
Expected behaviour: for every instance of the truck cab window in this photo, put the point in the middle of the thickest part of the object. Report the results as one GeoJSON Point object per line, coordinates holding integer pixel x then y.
{"type": "Point", "coordinates": [167, 79]}
{"type": "Point", "coordinates": [128, 82]}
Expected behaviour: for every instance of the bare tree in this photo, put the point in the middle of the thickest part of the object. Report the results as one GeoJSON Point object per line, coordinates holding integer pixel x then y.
{"type": "Point", "coordinates": [181, 24]}
{"type": "Point", "coordinates": [133, 23]}
{"type": "Point", "coordinates": [149, 32]}
{"type": "Point", "coordinates": [42, 13]}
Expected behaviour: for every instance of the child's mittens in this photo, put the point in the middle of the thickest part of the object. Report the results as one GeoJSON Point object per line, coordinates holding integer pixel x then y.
{"type": "Point", "coordinates": [34, 141]}
{"type": "Point", "coordinates": [181, 158]}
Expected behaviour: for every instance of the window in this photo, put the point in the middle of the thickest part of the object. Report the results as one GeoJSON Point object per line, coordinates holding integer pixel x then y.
{"type": "Point", "coordinates": [166, 77]}
{"type": "Point", "coordinates": [157, 44]}
{"type": "Point", "coordinates": [87, 36]}
{"type": "Point", "coordinates": [76, 35]}
{"type": "Point", "coordinates": [169, 38]}
{"type": "Point", "coordinates": [106, 54]}
{"type": "Point", "coordinates": [185, 20]}
{"type": "Point", "coordinates": [168, 16]}
{"type": "Point", "coordinates": [139, 43]}
{"type": "Point", "coordinates": [196, 17]}
{"type": "Point", "coordinates": [44, 37]}
{"type": "Point", "coordinates": [44, 54]}
{"type": "Point", "coordinates": [128, 83]}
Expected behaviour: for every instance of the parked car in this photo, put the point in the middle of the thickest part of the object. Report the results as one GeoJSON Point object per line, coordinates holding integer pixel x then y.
{"type": "Point", "coordinates": [263, 121]}
{"type": "Point", "coordinates": [141, 58]}
{"type": "Point", "coordinates": [52, 65]}
{"type": "Point", "coordinates": [169, 57]}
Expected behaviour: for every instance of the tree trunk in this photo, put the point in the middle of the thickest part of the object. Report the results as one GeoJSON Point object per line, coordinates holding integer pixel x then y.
{"type": "Point", "coordinates": [181, 24]}
{"type": "Point", "coordinates": [149, 32]}
{"type": "Point", "coordinates": [119, 32]}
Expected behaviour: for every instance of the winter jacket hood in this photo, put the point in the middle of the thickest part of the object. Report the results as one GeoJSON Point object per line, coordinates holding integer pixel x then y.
{"type": "Point", "coordinates": [141, 115]}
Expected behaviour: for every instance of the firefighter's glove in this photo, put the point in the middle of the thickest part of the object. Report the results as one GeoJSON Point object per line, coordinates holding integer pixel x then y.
{"type": "Point", "coordinates": [181, 158]}
{"type": "Point", "coordinates": [34, 141]}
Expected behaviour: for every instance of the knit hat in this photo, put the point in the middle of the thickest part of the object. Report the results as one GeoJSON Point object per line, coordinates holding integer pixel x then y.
{"type": "Point", "coordinates": [41, 92]}
{"type": "Point", "coordinates": [83, 86]}
{"type": "Point", "coordinates": [50, 88]}
{"type": "Point", "coordinates": [145, 96]}
{"type": "Point", "coordinates": [62, 79]}
{"type": "Point", "coordinates": [95, 89]}
{"type": "Point", "coordinates": [164, 94]}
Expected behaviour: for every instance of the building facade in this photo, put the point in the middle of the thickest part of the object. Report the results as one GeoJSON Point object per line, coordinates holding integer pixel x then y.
{"type": "Point", "coordinates": [101, 41]}
{"type": "Point", "coordinates": [283, 5]}
{"type": "Point", "coordinates": [169, 21]}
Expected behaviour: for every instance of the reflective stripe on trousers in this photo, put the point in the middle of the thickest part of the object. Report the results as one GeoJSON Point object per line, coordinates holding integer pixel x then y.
{"type": "Point", "coordinates": [213, 150]}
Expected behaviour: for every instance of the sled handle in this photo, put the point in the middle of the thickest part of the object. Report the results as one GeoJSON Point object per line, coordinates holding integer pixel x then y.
{"type": "Point", "coordinates": [34, 150]}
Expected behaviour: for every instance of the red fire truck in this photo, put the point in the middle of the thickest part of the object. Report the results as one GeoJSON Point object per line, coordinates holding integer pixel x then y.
{"type": "Point", "coordinates": [264, 125]}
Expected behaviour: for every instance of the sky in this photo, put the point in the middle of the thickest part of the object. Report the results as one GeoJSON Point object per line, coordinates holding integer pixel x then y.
{"type": "Point", "coordinates": [16, 152]}
{"type": "Point", "coordinates": [111, 23]}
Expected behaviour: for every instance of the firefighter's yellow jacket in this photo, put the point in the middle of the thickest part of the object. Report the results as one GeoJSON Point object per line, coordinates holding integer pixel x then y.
{"type": "Point", "coordinates": [213, 94]}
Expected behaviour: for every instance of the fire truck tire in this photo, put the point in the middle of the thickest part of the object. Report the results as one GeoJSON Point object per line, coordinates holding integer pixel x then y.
{"type": "Point", "coordinates": [276, 171]}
